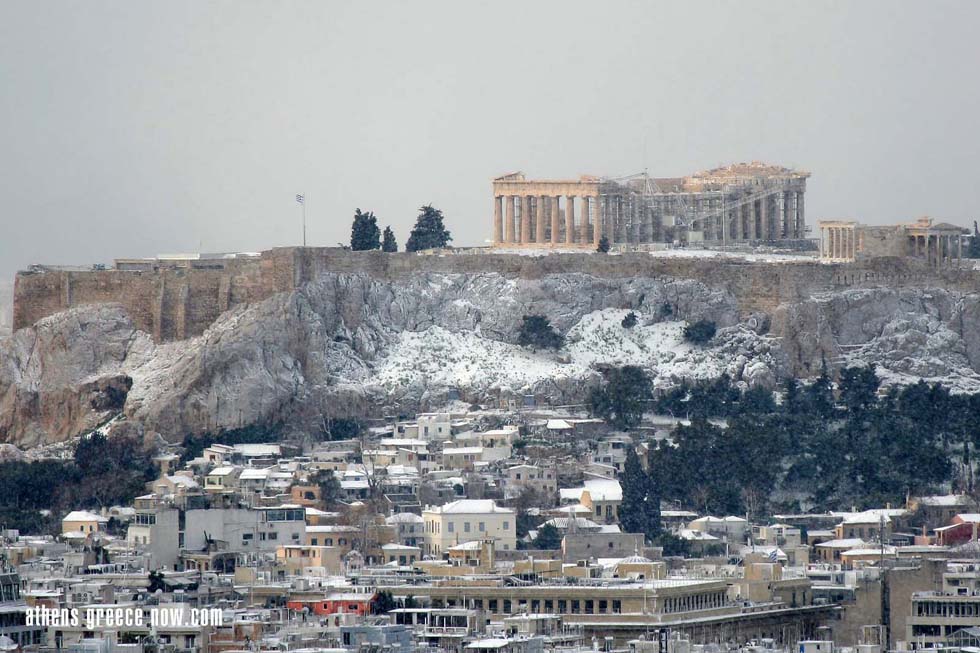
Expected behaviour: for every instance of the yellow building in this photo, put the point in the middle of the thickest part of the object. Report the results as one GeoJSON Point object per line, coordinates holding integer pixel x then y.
{"type": "Point", "coordinates": [82, 521]}
{"type": "Point", "coordinates": [299, 558]}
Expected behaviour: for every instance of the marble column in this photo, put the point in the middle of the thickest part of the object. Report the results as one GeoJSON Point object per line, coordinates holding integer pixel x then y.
{"type": "Point", "coordinates": [585, 233]}
{"type": "Point", "coordinates": [539, 220]}
{"type": "Point", "coordinates": [555, 222]}
{"type": "Point", "coordinates": [526, 208]}
{"type": "Point", "coordinates": [764, 217]}
{"type": "Point", "coordinates": [597, 225]}
{"type": "Point", "coordinates": [509, 218]}
{"type": "Point", "coordinates": [570, 219]}
{"type": "Point", "coordinates": [498, 220]}
{"type": "Point", "coordinates": [800, 217]}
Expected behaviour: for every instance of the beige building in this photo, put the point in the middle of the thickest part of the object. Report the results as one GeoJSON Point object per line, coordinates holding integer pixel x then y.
{"type": "Point", "coordinates": [936, 244]}
{"type": "Point", "coordinates": [466, 520]}
{"type": "Point", "coordinates": [82, 521]}
{"type": "Point", "coordinates": [743, 202]}
{"type": "Point", "coordinates": [298, 559]}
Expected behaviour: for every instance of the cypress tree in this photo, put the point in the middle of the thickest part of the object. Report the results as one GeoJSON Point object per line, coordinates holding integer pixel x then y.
{"type": "Point", "coordinates": [364, 232]}
{"type": "Point", "coordinates": [639, 511]}
{"type": "Point", "coordinates": [429, 231]}
{"type": "Point", "coordinates": [388, 242]}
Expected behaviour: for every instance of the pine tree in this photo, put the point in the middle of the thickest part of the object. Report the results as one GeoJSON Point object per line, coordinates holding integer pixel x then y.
{"type": "Point", "coordinates": [364, 232]}
{"type": "Point", "coordinates": [639, 511]}
{"type": "Point", "coordinates": [603, 245]}
{"type": "Point", "coordinates": [429, 231]}
{"type": "Point", "coordinates": [388, 242]}
{"type": "Point", "coordinates": [623, 397]}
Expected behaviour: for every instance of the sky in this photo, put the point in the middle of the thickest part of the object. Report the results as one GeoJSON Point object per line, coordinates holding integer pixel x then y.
{"type": "Point", "coordinates": [136, 128]}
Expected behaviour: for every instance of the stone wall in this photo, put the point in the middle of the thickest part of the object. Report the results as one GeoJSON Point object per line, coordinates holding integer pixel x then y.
{"type": "Point", "coordinates": [176, 303]}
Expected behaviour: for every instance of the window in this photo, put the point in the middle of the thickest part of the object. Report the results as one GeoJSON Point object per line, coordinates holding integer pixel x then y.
{"type": "Point", "coordinates": [466, 527]}
{"type": "Point", "coordinates": [506, 525]}
{"type": "Point", "coordinates": [562, 606]}
{"type": "Point", "coordinates": [273, 536]}
{"type": "Point", "coordinates": [483, 526]}
{"type": "Point", "coordinates": [452, 527]}
{"type": "Point", "coordinates": [617, 606]}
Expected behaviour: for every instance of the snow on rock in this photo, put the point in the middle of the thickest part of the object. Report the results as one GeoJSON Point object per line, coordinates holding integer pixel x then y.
{"type": "Point", "coordinates": [435, 357]}
{"type": "Point", "coordinates": [351, 345]}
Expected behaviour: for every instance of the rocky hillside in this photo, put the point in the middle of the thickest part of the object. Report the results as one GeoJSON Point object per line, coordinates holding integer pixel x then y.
{"type": "Point", "coordinates": [6, 307]}
{"type": "Point", "coordinates": [347, 345]}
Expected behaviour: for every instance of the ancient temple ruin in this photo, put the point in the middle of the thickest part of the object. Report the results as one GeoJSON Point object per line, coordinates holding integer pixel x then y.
{"type": "Point", "coordinates": [741, 203]}
{"type": "Point", "coordinates": [936, 244]}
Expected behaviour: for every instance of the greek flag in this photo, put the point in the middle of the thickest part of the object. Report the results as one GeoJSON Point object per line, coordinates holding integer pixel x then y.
{"type": "Point", "coordinates": [774, 555]}
{"type": "Point", "coordinates": [300, 198]}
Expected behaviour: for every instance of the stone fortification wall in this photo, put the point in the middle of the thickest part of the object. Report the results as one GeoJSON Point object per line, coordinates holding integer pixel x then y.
{"type": "Point", "coordinates": [176, 303]}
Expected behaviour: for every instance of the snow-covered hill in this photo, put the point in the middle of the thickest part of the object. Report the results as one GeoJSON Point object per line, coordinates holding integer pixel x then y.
{"type": "Point", "coordinates": [349, 344]}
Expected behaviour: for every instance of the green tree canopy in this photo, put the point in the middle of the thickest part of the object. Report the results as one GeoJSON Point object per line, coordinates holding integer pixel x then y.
{"type": "Point", "coordinates": [364, 232]}
{"type": "Point", "coordinates": [700, 332]}
{"type": "Point", "coordinates": [388, 242]}
{"type": "Point", "coordinates": [537, 332]}
{"type": "Point", "coordinates": [428, 232]}
{"type": "Point", "coordinates": [548, 537]}
{"type": "Point", "coordinates": [640, 509]}
{"type": "Point", "coordinates": [622, 396]}
{"type": "Point", "coordinates": [603, 246]}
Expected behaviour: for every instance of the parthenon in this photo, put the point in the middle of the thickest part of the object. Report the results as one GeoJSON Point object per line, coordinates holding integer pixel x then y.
{"type": "Point", "coordinates": [741, 203]}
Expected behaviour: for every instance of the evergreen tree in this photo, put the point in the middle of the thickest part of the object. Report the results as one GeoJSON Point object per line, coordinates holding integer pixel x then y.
{"type": "Point", "coordinates": [859, 388]}
{"type": "Point", "coordinates": [973, 249]}
{"type": "Point", "coordinates": [383, 602]}
{"type": "Point", "coordinates": [629, 321]}
{"type": "Point", "coordinates": [548, 537]}
{"type": "Point", "coordinates": [364, 232]}
{"type": "Point", "coordinates": [700, 332]}
{"type": "Point", "coordinates": [329, 487]}
{"type": "Point", "coordinates": [820, 395]}
{"type": "Point", "coordinates": [537, 332]}
{"type": "Point", "coordinates": [757, 401]}
{"type": "Point", "coordinates": [639, 511]}
{"type": "Point", "coordinates": [622, 397]}
{"type": "Point", "coordinates": [388, 242]}
{"type": "Point", "coordinates": [429, 231]}
{"type": "Point", "coordinates": [792, 399]}
{"type": "Point", "coordinates": [603, 246]}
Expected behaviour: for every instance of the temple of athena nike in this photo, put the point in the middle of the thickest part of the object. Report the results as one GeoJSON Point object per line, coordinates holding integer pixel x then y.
{"type": "Point", "coordinates": [737, 204]}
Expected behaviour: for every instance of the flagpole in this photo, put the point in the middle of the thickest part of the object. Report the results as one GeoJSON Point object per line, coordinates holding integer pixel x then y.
{"type": "Point", "coordinates": [304, 220]}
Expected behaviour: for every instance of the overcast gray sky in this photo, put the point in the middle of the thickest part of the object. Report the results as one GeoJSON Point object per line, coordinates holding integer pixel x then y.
{"type": "Point", "coordinates": [134, 128]}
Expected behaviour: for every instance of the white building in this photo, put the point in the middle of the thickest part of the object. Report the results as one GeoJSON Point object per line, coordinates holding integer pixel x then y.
{"type": "Point", "coordinates": [466, 520]}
